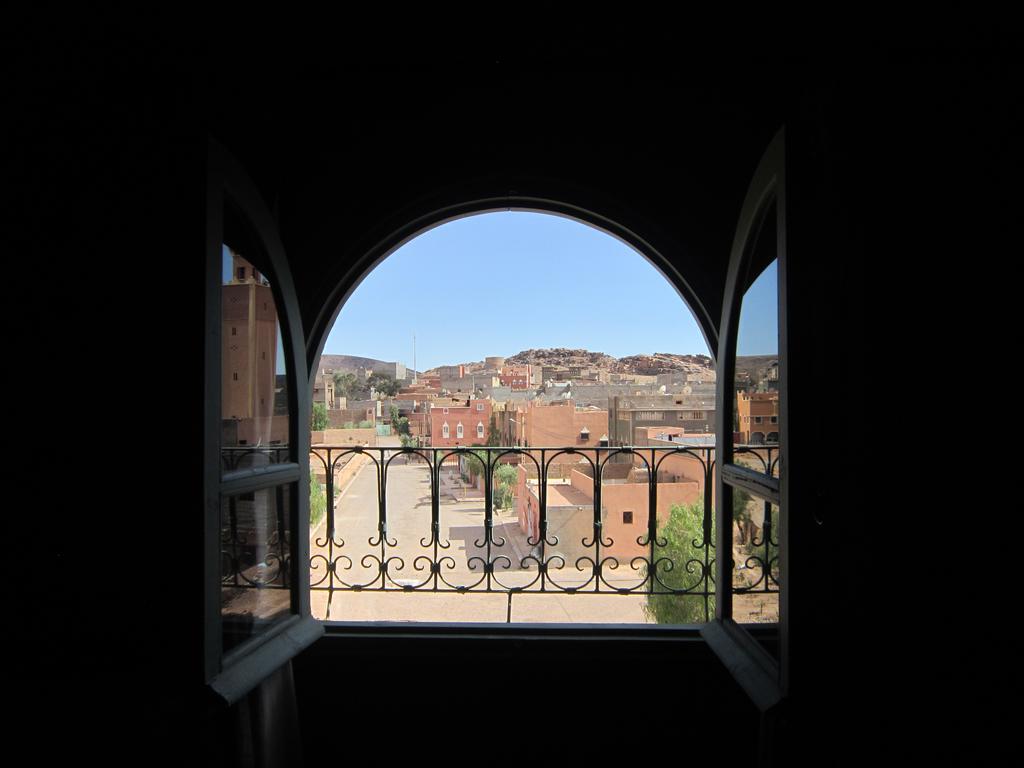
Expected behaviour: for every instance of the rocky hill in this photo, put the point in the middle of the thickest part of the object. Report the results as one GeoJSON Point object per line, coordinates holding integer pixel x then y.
{"type": "Point", "coordinates": [659, 362]}
{"type": "Point", "coordinates": [754, 367]}
{"type": "Point", "coordinates": [561, 356]}
{"type": "Point", "coordinates": [662, 362]}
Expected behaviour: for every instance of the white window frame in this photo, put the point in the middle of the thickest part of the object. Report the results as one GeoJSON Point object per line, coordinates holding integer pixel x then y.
{"type": "Point", "coordinates": [459, 431]}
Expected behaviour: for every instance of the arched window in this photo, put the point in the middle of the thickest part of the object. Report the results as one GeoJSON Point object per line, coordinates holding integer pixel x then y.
{"type": "Point", "coordinates": [416, 505]}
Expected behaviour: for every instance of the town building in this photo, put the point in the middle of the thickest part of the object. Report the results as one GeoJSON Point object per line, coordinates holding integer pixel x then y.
{"type": "Point", "coordinates": [450, 371]}
{"type": "Point", "coordinates": [459, 425]}
{"type": "Point", "coordinates": [758, 417]}
{"type": "Point", "coordinates": [561, 423]}
{"type": "Point", "coordinates": [396, 371]}
{"type": "Point", "coordinates": [625, 505]}
{"type": "Point", "coordinates": [516, 377]}
{"type": "Point", "coordinates": [554, 372]}
{"type": "Point", "coordinates": [628, 415]}
{"type": "Point", "coordinates": [323, 391]}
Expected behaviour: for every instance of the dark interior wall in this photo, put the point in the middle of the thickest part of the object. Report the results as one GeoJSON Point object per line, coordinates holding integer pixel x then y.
{"type": "Point", "coordinates": [109, 143]}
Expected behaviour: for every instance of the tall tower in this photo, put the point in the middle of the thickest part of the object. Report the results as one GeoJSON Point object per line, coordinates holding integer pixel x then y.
{"type": "Point", "coordinates": [249, 349]}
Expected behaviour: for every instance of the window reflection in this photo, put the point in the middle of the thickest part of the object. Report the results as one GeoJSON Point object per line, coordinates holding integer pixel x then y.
{"type": "Point", "coordinates": [254, 395]}
{"type": "Point", "coordinates": [757, 362]}
{"type": "Point", "coordinates": [255, 560]}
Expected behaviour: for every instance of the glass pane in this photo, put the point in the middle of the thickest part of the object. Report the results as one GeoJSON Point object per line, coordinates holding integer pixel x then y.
{"type": "Point", "coordinates": [756, 554]}
{"type": "Point", "coordinates": [255, 561]}
{"type": "Point", "coordinates": [756, 419]}
{"type": "Point", "coordinates": [254, 392]}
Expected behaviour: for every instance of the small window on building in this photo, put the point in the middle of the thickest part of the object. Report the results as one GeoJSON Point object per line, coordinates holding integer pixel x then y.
{"type": "Point", "coordinates": [775, 419]}
{"type": "Point", "coordinates": [479, 406]}
{"type": "Point", "coordinates": [234, 376]}
{"type": "Point", "coordinates": [627, 517]}
{"type": "Point", "coordinates": [234, 331]}
{"type": "Point", "coordinates": [241, 273]}
{"type": "Point", "coordinates": [458, 430]}
{"type": "Point", "coordinates": [444, 430]}
{"type": "Point", "coordinates": [480, 429]}
{"type": "Point", "coordinates": [757, 419]}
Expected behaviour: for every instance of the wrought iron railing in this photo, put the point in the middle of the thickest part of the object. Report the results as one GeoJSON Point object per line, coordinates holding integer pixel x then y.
{"type": "Point", "coordinates": [340, 563]}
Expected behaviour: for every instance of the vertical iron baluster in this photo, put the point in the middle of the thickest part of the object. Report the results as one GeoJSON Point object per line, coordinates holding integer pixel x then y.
{"type": "Point", "coordinates": [382, 521]}
{"type": "Point", "coordinates": [283, 561]}
{"type": "Point", "coordinates": [488, 516]}
{"type": "Point", "coordinates": [709, 518]}
{"type": "Point", "coordinates": [435, 511]}
{"type": "Point", "coordinates": [543, 498]}
{"type": "Point", "coordinates": [652, 516]}
{"type": "Point", "coordinates": [598, 474]}
{"type": "Point", "coordinates": [233, 522]}
{"type": "Point", "coordinates": [330, 532]}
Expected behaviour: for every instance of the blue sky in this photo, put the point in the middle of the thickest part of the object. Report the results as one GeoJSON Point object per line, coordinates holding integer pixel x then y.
{"type": "Point", "coordinates": [498, 283]}
{"type": "Point", "coordinates": [758, 333]}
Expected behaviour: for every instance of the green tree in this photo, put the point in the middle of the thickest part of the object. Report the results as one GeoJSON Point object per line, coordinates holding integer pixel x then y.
{"type": "Point", "coordinates": [320, 419]}
{"type": "Point", "coordinates": [383, 384]}
{"type": "Point", "coordinates": [505, 478]}
{"type": "Point", "coordinates": [317, 501]}
{"type": "Point", "coordinates": [348, 385]}
{"type": "Point", "coordinates": [684, 533]}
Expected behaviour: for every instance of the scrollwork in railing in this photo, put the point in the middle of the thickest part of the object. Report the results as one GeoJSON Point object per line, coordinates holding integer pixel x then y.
{"type": "Point", "coordinates": [496, 561]}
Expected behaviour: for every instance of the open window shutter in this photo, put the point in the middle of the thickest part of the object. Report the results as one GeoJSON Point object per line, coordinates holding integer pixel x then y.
{"type": "Point", "coordinates": [754, 477]}
{"type": "Point", "coordinates": [256, 475]}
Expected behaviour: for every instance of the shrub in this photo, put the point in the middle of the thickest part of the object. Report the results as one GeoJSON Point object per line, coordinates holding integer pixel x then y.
{"type": "Point", "coordinates": [684, 533]}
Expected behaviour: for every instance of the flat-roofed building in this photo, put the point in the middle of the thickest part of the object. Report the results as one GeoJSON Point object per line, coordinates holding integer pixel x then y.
{"type": "Point", "coordinates": [458, 425]}
{"type": "Point", "coordinates": [758, 417]}
{"type": "Point", "coordinates": [693, 413]}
